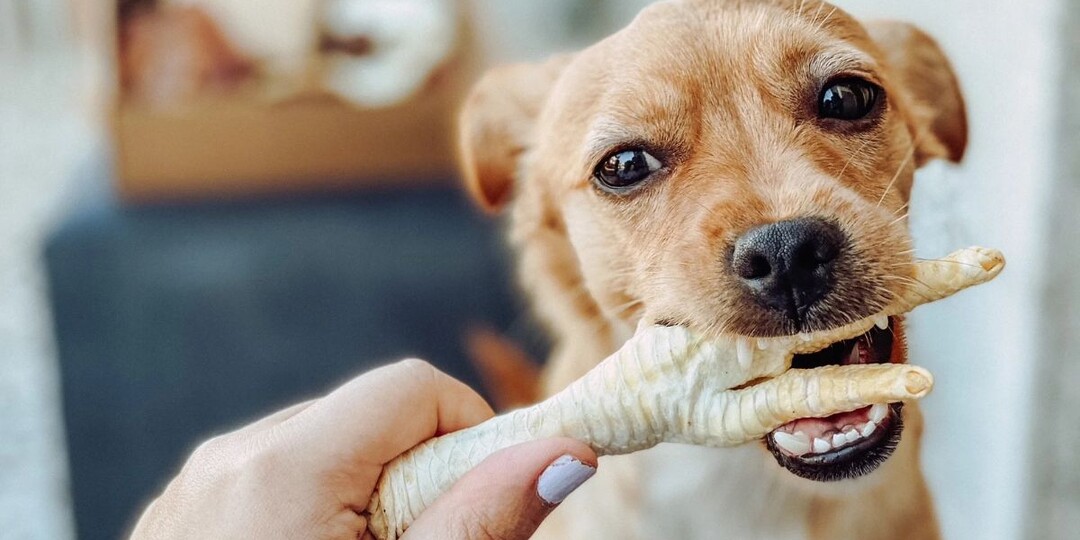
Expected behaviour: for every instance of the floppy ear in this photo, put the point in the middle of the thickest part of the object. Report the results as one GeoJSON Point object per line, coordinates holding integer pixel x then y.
{"type": "Point", "coordinates": [920, 68]}
{"type": "Point", "coordinates": [497, 124]}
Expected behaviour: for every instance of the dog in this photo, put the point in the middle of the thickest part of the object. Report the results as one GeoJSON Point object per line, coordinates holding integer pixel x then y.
{"type": "Point", "coordinates": [738, 167]}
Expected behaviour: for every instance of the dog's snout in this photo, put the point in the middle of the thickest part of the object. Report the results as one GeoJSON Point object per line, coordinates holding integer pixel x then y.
{"type": "Point", "coordinates": [788, 265]}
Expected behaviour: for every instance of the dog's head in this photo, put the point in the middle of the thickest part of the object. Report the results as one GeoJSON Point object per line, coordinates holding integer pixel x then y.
{"type": "Point", "coordinates": [739, 167]}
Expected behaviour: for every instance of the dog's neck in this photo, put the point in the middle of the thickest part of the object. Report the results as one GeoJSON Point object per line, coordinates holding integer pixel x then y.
{"type": "Point", "coordinates": [583, 334]}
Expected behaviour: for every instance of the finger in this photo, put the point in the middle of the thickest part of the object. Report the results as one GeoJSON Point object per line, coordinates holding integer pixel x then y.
{"type": "Point", "coordinates": [509, 494]}
{"type": "Point", "coordinates": [381, 414]}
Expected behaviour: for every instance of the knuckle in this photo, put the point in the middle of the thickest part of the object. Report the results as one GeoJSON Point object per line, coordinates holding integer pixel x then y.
{"type": "Point", "coordinates": [211, 450]}
{"type": "Point", "coordinates": [209, 465]}
{"type": "Point", "coordinates": [416, 365]}
{"type": "Point", "coordinates": [421, 370]}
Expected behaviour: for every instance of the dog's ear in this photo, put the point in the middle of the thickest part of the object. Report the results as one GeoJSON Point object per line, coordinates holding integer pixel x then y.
{"type": "Point", "coordinates": [922, 70]}
{"type": "Point", "coordinates": [497, 124]}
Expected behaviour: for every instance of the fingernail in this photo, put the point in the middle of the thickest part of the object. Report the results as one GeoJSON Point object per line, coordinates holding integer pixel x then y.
{"type": "Point", "coordinates": [561, 478]}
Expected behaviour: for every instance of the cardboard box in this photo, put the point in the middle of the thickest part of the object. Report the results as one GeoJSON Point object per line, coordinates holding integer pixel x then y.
{"type": "Point", "coordinates": [237, 147]}
{"type": "Point", "coordinates": [244, 143]}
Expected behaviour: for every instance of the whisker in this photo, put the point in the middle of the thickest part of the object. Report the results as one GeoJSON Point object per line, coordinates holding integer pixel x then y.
{"type": "Point", "coordinates": [816, 13]}
{"type": "Point", "coordinates": [911, 281]}
{"type": "Point", "coordinates": [950, 261]}
{"type": "Point", "coordinates": [901, 218]}
{"type": "Point", "coordinates": [825, 19]}
{"type": "Point", "coordinates": [852, 158]}
{"type": "Point", "coordinates": [899, 170]}
{"type": "Point", "coordinates": [621, 308]}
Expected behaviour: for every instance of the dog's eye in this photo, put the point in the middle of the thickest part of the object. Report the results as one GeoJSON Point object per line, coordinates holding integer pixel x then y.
{"type": "Point", "coordinates": [626, 168]}
{"type": "Point", "coordinates": [848, 99]}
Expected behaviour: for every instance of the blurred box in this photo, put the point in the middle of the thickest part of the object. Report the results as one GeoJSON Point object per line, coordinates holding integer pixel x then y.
{"type": "Point", "coordinates": [232, 147]}
{"type": "Point", "coordinates": [265, 135]}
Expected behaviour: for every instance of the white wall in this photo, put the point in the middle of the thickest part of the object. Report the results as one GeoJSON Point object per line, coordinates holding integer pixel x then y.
{"type": "Point", "coordinates": [981, 345]}
{"type": "Point", "coordinates": [518, 30]}
{"type": "Point", "coordinates": [44, 139]}
{"type": "Point", "coordinates": [45, 136]}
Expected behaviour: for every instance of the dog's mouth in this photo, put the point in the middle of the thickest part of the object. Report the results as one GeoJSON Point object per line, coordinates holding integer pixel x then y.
{"type": "Point", "coordinates": [850, 444]}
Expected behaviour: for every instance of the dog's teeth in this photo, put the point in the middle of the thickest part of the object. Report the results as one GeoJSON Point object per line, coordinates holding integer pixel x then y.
{"type": "Point", "coordinates": [882, 322]}
{"type": "Point", "coordinates": [839, 440]}
{"type": "Point", "coordinates": [797, 444]}
{"type": "Point", "coordinates": [821, 446]}
{"type": "Point", "coordinates": [878, 412]}
{"type": "Point", "coordinates": [851, 435]}
{"type": "Point", "coordinates": [745, 352]}
{"type": "Point", "coordinates": [868, 428]}
{"type": "Point", "coordinates": [853, 357]}
{"type": "Point", "coordinates": [762, 343]}
{"type": "Point", "coordinates": [805, 337]}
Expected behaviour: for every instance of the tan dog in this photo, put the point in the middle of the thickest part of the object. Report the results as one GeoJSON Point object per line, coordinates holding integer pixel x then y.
{"type": "Point", "coordinates": [738, 167]}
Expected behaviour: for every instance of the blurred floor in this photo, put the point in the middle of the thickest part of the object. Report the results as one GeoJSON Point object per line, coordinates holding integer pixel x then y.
{"type": "Point", "coordinates": [46, 134]}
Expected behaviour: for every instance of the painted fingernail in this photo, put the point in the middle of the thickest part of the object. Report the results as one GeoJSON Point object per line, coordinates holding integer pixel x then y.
{"type": "Point", "coordinates": [561, 478]}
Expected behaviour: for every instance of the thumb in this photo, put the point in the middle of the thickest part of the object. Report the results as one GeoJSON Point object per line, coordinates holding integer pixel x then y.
{"type": "Point", "coordinates": [509, 494]}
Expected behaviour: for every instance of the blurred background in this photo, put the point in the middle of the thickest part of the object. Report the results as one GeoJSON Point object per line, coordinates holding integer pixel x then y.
{"type": "Point", "coordinates": [211, 208]}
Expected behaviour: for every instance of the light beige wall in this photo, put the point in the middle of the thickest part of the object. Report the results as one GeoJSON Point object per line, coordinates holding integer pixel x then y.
{"type": "Point", "coordinates": [1054, 441]}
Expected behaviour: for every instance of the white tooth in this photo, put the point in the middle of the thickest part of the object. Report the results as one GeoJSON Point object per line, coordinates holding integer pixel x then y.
{"type": "Point", "coordinates": [878, 412]}
{"type": "Point", "coordinates": [805, 337]}
{"type": "Point", "coordinates": [868, 429]}
{"type": "Point", "coordinates": [821, 446]}
{"type": "Point", "coordinates": [882, 322]}
{"type": "Point", "coordinates": [853, 357]}
{"type": "Point", "coordinates": [851, 436]}
{"type": "Point", "coordinates": [794, 444]}
{"type": "Point", "coordinates": [744, 351]}
{"type": "Point", "coordinates": [762, 343]}
{"type": "Point", "coordinates": [838, 440]}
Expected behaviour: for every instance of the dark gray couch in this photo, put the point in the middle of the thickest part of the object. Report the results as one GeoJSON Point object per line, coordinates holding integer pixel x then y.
{"type": "Point", "coordinates": [177, 322]}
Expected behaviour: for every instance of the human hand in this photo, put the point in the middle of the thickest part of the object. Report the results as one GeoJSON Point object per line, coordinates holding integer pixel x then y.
{"type": "Point", "coordinates": [308, 471]}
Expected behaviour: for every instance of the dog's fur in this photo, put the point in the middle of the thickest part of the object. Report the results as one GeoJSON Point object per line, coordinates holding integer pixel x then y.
{"type": "Point", "coordinates": [725, 91]}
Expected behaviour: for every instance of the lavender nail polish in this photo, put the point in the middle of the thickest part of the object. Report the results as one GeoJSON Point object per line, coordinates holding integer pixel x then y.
{"type": "Point", "coordinates": [561, 478]}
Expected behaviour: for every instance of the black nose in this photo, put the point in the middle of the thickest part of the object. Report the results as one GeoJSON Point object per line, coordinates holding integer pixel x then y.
{"type": "Point", "coordinates": [788, 265]}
